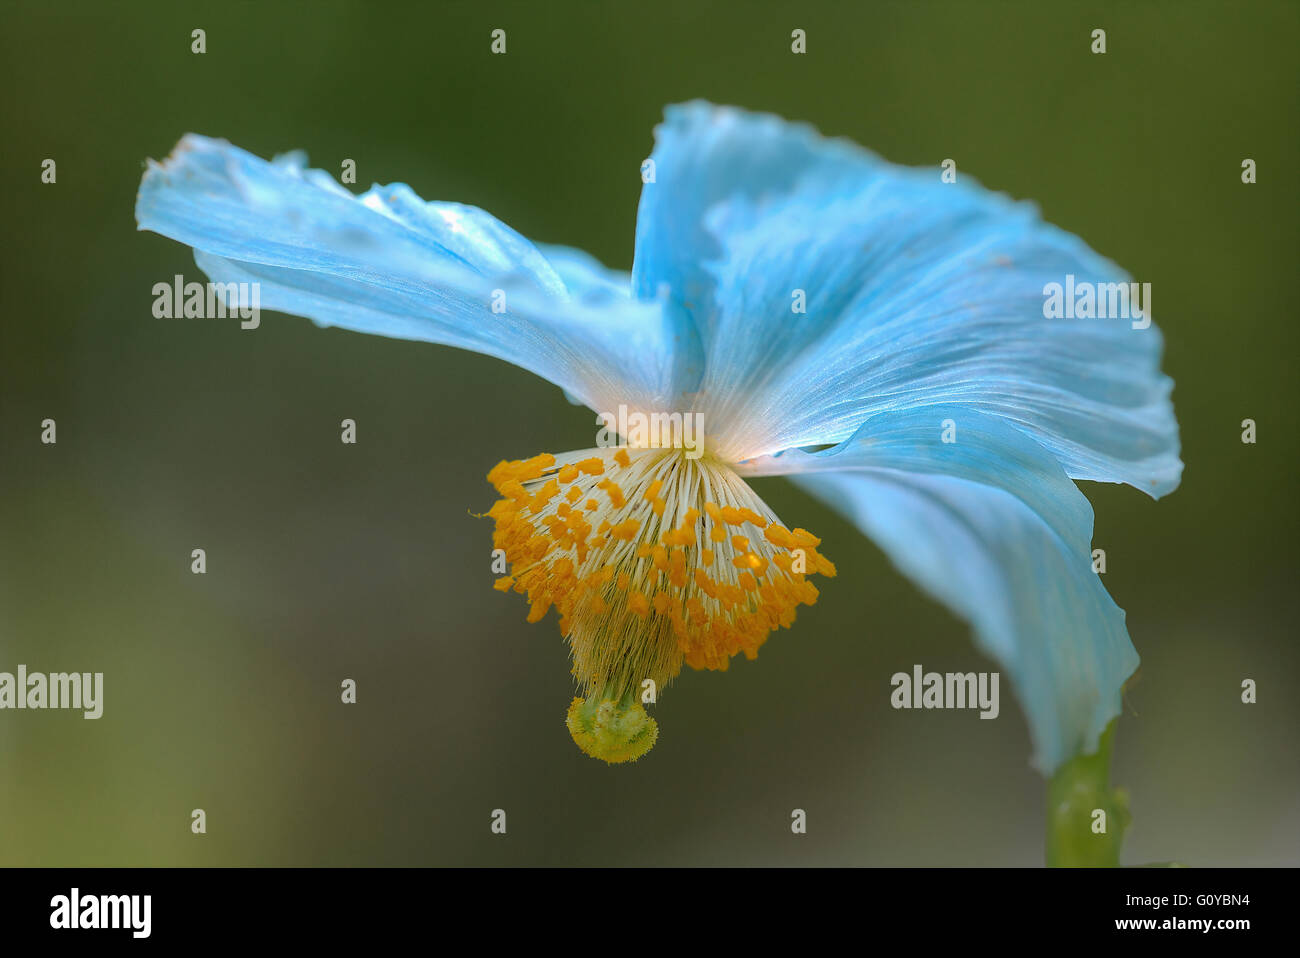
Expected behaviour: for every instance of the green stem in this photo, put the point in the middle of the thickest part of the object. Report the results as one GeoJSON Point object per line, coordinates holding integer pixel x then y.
{"type": "Point", "coordinates": [1076, 793]}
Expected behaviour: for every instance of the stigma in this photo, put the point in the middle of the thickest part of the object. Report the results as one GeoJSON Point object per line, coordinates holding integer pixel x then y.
{"type": "Point", "coordinates": [651, 560]}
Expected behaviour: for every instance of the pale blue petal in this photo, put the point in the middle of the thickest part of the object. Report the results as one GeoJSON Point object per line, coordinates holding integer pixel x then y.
{"type": "Point", "coordinates": [706, 155]}
{"type": "Point", "coordinates": [916, 292]}
{"type": "Point", "coordinates": [993, 528]}
{"type": "Point", "coordinates": [390, 264]}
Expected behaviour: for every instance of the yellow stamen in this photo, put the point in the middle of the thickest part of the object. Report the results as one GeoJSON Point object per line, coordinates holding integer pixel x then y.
{"type": "Point", "coordinates": [626, 574]}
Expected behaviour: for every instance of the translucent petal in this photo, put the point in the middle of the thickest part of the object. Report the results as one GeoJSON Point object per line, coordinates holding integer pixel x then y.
{"type": "Point", "coordinates": [829, 285]}
{"type": "Point", "coordinates": [390, 264]}
{"type": "Point", "coordinates": [990, 526]}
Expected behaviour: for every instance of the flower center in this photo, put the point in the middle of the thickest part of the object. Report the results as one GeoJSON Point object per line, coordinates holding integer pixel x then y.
{"type": "Point", "coordinates": [651, 559]}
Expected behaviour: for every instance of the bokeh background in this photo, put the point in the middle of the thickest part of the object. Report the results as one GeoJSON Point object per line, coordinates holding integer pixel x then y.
{"type": "Point", "coordinates": [328, 561]}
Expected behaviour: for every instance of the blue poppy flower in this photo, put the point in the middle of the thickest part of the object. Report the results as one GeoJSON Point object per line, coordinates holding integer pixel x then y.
{"type": "Point", "coordinates": [871, 331]}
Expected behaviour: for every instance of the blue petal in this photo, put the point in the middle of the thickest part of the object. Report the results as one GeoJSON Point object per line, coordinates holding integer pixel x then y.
{"type": "Point", "coordinates": [706, 155]}
{"type": "Point", "coordinates": [916, 292]}
{"type": "Point", "coordinates": [993, 528]}
{"type": "Point", "coordinates": [391, 264]}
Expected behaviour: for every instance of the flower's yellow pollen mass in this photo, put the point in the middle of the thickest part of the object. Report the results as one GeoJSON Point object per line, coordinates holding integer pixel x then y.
{"type": "Point", "coordinates": [673, 561]}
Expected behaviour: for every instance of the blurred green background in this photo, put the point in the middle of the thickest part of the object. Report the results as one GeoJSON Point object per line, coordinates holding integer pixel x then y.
{"type": "Point", "coordinates": [328, 561]}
